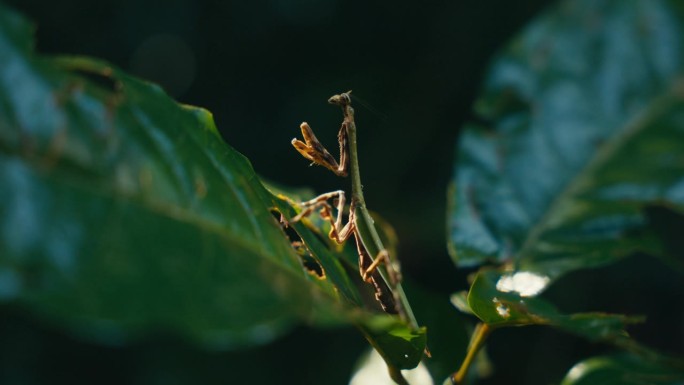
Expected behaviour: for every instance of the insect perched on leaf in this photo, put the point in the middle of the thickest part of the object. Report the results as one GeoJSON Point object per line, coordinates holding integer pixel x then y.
{"type": "Point", "coordinates": [375, 264]}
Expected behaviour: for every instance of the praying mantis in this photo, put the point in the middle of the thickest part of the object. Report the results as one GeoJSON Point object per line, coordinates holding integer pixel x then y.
{"type": "Point", "coordinates": [375, 265]}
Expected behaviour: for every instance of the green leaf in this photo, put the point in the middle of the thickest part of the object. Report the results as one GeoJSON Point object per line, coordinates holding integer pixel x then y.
{"type": "Point", "coordinates": [400, 345]}
{"type": "Point", "coordinates": [623, 369]}
{"type": "Point", "coordinates": [122, 211]}
{"type": "Point", "coordinates": [320, 247]}
{"type": "Point", "coordinates": [580, 129]}
{"type": "Point", "coordinates": [508, 300]}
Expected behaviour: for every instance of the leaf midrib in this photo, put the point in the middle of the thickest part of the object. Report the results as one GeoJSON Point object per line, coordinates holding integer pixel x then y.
{"type": "Point", "coordinates": [61, 173]}
{"type": "Point", "coordinates": [605, 152]}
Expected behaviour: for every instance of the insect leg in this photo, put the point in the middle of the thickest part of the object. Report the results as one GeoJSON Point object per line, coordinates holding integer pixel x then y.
{"type": "Point", "coordinates": [338, 232]}
{"type": "Point", "coordinates": [383, 293]}
{"type": "Point", "coordinates": [383, 257]}
{"type": "Point", "coordinates": [313, 150]}
{"type": "Point", "coordinates": [315, 203]}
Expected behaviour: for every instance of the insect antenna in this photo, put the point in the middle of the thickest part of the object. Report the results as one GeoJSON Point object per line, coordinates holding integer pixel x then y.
{"type": "Point", "coordinates": [358, 101]}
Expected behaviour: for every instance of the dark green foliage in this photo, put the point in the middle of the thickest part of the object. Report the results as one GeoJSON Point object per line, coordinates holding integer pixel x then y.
{"type": "Point", "coordinates": [579, 139]}
{"type": "Point", "coordinates": [125, 212]}
{"type": "Point", "coordinates": [574, 144]}
{"type": "Point", "coordinates": [126, 219]}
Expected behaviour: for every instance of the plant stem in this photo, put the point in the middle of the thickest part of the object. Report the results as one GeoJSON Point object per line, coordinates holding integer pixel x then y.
{"type": "Point", "coordinates": [482, 330]}
{"type": "Point", "coordinates": [365, 226]}
{"type": "Point", "coordinates": [395, 374]}
{"type": "Point", "coordinates": [364, 221]}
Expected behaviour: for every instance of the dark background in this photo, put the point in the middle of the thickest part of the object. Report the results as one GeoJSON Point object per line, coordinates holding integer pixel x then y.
{"type": "Point", "coordinates": [263, 67]}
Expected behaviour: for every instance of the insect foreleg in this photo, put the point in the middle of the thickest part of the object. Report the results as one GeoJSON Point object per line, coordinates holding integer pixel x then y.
{"type": "Point", "coordinates": [370, 274]}
{"type": "Point", "coordinates": [382, 257]}
{"type": "Point", "coordinates": [313, 150]}
{"type": "Point", "coordinates": [313, 204]}
{"type": "Point", "coordinates": [338, 232]}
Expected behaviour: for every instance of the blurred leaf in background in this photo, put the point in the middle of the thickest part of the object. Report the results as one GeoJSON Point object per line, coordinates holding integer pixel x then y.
{"type": "Point", "coordinates": [574, 145]}
{"type": "Point", "coordinates": [125, 213]}
{"type": "Point", "coordinates": [123, 209]}
{"type": "Point", "coordinates": [578, 138]}
{"type": "Point", "coordinates": [621, 369]}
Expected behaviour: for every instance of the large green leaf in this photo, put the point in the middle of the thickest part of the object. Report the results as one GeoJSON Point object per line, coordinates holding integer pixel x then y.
{"type": "Point", "coordinates": [623, 369]}
{"type": "Point", "coordinates": [400, 345]}
{"type": "Point", "coordinates": [123, 211]}
{"type": "Point", "coordinates": [581, 128]}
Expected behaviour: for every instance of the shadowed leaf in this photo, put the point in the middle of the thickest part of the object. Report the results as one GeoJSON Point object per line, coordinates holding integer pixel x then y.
{"type": "Point", "coordinates": [122, 211]}
{"type": "Point", "coordinates": [574, 144]}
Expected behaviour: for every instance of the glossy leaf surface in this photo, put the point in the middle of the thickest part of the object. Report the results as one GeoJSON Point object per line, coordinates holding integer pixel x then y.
{"type": "Point", "coordinates": [122, 211]}
{"type": "Point", "coordinates": [400, 345]}
{"type": "Point", "coordinates": [581, 127]}
{"type": "Point", "coordinates": [498, 302]}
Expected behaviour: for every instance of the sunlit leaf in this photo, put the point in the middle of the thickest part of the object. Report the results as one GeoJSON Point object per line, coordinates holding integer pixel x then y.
{"type": "Point", "coordinates": [397, 342]}
{"type": "Point", "coordinates": [580, 129]}
{"type": "Point", "coordinates": [398, 345]}
{"type": "Point", "coordinates": [496, 303]}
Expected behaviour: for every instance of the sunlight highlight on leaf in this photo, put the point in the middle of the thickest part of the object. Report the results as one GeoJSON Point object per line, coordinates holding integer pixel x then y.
{"type": "Point", "coordinates": [523, 283]}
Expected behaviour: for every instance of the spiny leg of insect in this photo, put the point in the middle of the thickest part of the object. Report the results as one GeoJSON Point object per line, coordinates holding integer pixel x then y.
{"type": "Point", "coordinates": [338, 232]}
{"type": "Point", "coordinates": [382, 257]}
{"type": "Point", "coordinates": [313, 150]}
{"type": "Point", "coordinates": [317, 202]}
{"type": "Point", "coordinates": [385, 293]}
